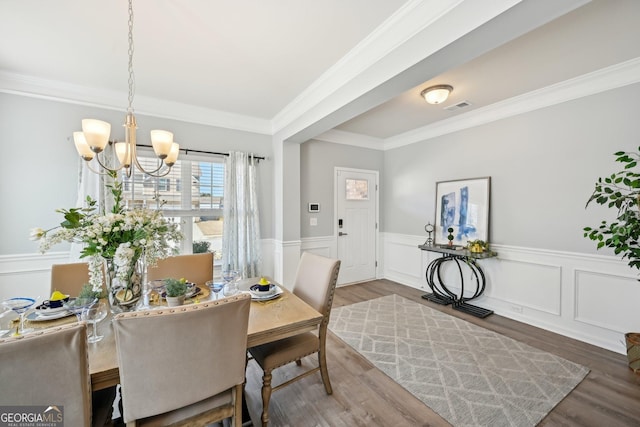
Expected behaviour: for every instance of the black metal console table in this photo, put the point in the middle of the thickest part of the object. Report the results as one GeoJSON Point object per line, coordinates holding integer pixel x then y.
{"type": "Point", "coordinates": [440, 294]}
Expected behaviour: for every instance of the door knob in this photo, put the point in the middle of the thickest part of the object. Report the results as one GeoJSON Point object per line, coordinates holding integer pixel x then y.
{"type": "Point", "coordinates": [341, 233]}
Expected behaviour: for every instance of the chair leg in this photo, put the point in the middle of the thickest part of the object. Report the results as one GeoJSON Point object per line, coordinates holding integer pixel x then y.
{"type": "Point", "coordinates": [237, 410]}
{"type": "Point", "coordinates": [266, 397]}
{"type": "Point", "coordinates": [324, 372]}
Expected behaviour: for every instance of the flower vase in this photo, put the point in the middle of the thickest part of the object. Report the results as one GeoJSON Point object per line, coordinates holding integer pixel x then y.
{"type": "Point", "coordinates": [124, 288]}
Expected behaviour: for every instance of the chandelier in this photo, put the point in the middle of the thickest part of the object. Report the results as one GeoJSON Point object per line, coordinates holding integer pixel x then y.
{"type": "Point", "coordinates": [94, 137]}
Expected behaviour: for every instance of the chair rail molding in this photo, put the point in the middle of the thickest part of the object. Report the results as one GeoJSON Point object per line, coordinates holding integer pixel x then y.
{"type": "Point", "coordinates": [573, 294]}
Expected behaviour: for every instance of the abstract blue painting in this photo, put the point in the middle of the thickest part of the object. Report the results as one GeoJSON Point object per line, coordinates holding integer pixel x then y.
{"type": "Point", "coordinates": [464, 206]}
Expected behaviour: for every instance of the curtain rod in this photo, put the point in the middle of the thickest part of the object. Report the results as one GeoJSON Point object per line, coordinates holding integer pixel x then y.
{"type": "Point", "coordinates": [187, 151]}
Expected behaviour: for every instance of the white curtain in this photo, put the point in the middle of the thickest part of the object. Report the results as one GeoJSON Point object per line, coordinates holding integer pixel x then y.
{"type": "Point", "coordinates": [92, 185]}
{"type": "Point", "coordinates": [241, 232]}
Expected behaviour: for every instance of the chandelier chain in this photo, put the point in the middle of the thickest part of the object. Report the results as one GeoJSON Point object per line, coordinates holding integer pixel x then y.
{"type": "Point", "coordinates": [130, 52]}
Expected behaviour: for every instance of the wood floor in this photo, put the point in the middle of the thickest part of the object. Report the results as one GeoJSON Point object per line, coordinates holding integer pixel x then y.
{"type": "Point", "coordinates": [364, 396]}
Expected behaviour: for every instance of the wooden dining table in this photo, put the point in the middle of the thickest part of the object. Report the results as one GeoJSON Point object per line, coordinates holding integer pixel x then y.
{"type": "Point", "coordinates": [269, 321]}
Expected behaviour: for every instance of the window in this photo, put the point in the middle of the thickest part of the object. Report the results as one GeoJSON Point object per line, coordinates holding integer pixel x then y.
{"type": "Point", "coordinates": [163, 184]}
{"type": "Point", "coordinates": [197, 207]}
{"type": "Point", "coordinates": [357, 189]}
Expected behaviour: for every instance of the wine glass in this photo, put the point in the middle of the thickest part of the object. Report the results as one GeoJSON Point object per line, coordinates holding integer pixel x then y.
{"type": "Point", "coordinates": [216, 287]}
{"type": "Point", "coordinates": [95, 314]}
{"type": "Point", "coordinates": [78, 305]}
{"type": "Point", "coordinates": [19, 305]}
{"type": "Point", "coordinates": [229, 277]}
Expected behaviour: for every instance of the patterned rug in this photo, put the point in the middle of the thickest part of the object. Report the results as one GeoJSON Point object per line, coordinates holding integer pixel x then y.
{"type": "Point", "coordinates": [469, 375]}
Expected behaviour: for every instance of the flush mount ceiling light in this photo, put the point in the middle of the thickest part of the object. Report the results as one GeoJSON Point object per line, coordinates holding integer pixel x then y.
{"type": "Point", "coordinates": [95, 135]}
{"type": "Point", "coordinates": [436, 94]}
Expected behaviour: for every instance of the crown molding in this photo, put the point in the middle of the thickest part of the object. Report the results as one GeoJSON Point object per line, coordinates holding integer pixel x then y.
{"type": "Point", "coordinates": [608, 78]}
{"type": "Point", "coordinates": [350, 138]}
{"type": "Point", "coordinates": [114, 100]}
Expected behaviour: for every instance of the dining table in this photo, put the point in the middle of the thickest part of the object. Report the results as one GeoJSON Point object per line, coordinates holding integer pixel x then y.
{"type": "Point", "coordinates": [269, 320]}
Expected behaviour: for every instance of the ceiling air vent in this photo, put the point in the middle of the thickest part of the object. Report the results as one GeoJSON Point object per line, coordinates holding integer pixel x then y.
{"type": "Point", "coordinates": [460, 105]}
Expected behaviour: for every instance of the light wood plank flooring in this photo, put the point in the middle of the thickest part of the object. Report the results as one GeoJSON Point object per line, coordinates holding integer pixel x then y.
{"type": "Point", "coordinates": [364, 396]}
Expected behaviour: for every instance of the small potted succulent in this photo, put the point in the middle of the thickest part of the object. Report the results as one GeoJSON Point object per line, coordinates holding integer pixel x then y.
{"type": "Point", "coordinates": [175, 289]}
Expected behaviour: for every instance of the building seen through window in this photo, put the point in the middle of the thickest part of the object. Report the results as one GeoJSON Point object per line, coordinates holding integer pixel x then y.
{"type": "Point", "coordinates": [197, 207]}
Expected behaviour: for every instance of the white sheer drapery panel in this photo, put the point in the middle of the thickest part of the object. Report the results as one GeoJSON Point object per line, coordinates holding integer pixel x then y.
{"type": "Point", "coordinates": [93, 185]}
{"type": "Point", "coordinates": [241, 231]}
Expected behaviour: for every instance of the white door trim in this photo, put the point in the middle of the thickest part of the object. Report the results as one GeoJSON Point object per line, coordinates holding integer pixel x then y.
{"type": "Point", "coordinates": [376, 173]}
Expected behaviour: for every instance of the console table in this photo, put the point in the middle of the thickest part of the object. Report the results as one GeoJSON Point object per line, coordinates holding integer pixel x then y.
{"type": "Point", "coordinates": [440, 294]}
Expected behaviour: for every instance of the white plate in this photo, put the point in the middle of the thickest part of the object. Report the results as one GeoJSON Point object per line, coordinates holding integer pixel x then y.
{"type": "Point", "coordinates": [48, 311]}
{"type": "Point", "coordinates": [266, 296]}
{"type": "Point", "coordinates": [35, 317]}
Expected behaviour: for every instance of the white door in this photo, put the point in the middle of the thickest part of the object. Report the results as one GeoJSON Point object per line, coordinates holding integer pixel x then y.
{"type": "Point", "coordinates": [356, 223]}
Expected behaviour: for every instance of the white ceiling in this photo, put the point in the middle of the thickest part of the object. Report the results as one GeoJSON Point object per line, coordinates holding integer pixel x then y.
{"type": "Point", "coordinates": [256, 60]}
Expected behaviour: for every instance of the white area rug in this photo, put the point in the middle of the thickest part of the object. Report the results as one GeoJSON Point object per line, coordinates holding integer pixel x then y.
{"type": "Point", "coordinates": [469, 375]}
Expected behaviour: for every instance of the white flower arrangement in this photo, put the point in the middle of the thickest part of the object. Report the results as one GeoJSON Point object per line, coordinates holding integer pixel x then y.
{"type": "Point", "coordinates": [120, 235]}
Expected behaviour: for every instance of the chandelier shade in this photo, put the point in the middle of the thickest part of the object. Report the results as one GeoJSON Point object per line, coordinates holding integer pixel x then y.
{"type": "Point", "coordinates": [82, 147]}
{"type": "Point", "coordinates": [96, 134]}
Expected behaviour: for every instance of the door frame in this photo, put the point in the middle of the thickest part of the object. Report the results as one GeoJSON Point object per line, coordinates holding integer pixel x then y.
{"type": "Point", "coordinates": [376, 173]}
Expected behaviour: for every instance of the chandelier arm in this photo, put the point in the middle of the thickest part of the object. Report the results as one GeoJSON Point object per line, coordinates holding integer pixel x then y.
{"type": "Point", "coordinates": [107, 167]}
{"type": "Point", "coordinates": [152, 173]}
{"type": "Point", "coordinates": [97, 172]}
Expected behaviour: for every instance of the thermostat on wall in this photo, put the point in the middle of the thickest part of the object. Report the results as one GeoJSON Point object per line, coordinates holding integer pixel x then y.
{"type": "Point", "coordinates": [314, 207]}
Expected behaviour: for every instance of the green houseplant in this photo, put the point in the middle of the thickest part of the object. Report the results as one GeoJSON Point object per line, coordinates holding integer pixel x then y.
{"type": "Point", "coordinates": [175, 289]}
{"type": "Point", "coordinates": [621, 191]}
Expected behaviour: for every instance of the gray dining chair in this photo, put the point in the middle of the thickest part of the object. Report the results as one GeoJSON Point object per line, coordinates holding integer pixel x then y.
{"type": "Point", "coordinates": [315, 284]}
{"type": "Point", "coordinates": [183, 365]}
{"type": "Point", "coordinates": [50, 368]}
{"type": "Point", "coordinates": [196, 268]}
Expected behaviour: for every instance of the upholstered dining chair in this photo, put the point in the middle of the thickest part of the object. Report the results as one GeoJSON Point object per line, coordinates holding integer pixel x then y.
{"type": "Point", "coordinates": [183, 365]}
{"type": "Point", "coordinates": [315, 283]}
{"type": "Point", "coordinates": [50, 368]}
{"type": "Point", "coordinates": [69, 278]}
{"type": "Point", "coordinates": [196, 268]}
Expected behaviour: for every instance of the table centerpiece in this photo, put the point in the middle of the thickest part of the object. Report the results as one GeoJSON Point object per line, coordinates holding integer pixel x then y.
{"type": "Point", "coordinates": [120, 244]}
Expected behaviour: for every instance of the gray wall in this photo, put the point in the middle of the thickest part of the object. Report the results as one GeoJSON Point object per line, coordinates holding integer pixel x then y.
{"type": "Point", "coordinates": [317, 162]}
{"type": "Point", "coordinates": [542, 164]}
{"type": "Point", "coordinates": [41, 165]}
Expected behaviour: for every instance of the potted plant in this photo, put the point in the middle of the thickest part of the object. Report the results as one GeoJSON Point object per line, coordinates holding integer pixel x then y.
{"type": "Point", "coordinates": [175, 289]}
{"type": "Point", "coordinates": [621, 191]}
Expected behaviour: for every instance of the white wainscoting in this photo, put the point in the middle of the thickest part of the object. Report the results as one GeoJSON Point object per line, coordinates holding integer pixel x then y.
{"type": "Point", "coordinates": [586, 297]}
{"type": "Point", "coordinates": [324, 246]}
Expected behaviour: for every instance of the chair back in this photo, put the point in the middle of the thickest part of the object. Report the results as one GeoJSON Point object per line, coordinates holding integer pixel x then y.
{"type": "Point", "coordinates": [316, 280]}
{"type": "Point", "coordinates": [48, 368]}
{"type": "Point", "coordinates": [173, 358]}
{"type": "Point", "coordinates": [196, 268]}
{"type": "Point", "coordinates": [69, 278]}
